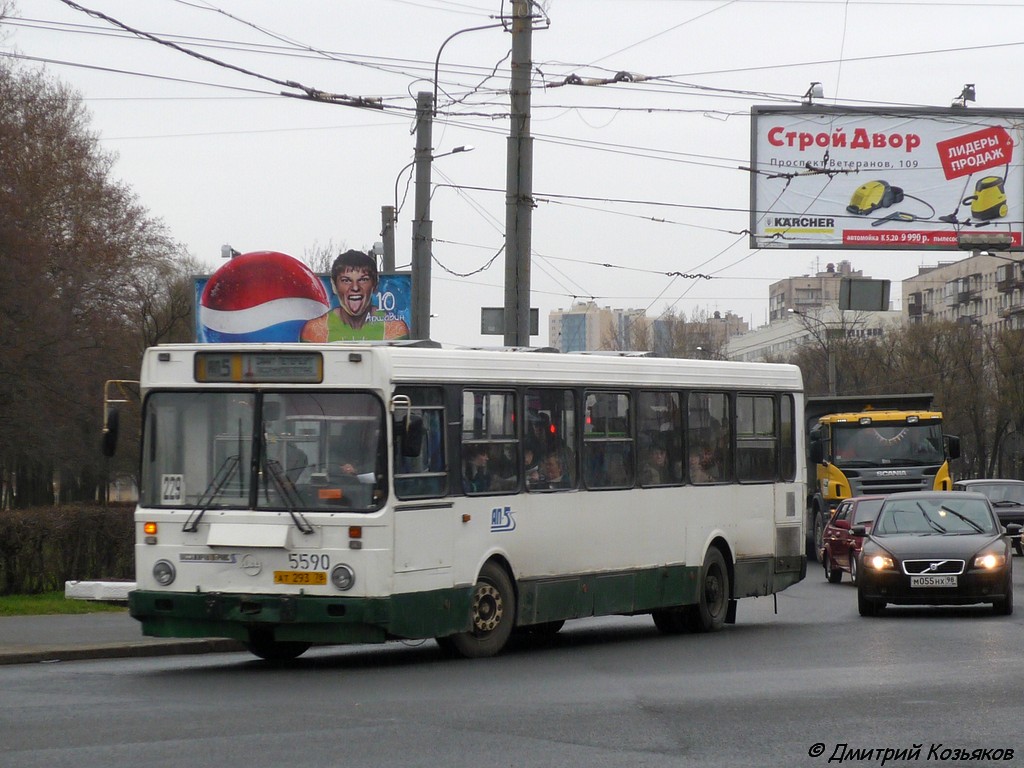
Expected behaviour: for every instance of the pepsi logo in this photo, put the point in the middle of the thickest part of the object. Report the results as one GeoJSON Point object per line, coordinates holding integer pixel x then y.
{"type": "Point", "coordinates": [260, 297]}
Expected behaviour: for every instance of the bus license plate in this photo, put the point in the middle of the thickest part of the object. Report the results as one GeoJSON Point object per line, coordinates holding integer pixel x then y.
{"type": "Point", "coordinates": [317, 578]}
{"type": "Point", "coordinates": [933, 581]}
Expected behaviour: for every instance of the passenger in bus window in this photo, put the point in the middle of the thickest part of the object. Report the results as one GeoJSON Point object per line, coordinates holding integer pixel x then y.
{"type": "Point", "coordinates": [656, 470]}
{"type": "Point", "coordinates": [531, 468]}
{"type": "Point", "coordinates": [705, 465]}
{"type": "Point", "coordinates": [476, 475]}
{"type": "Point", "coordinates": [553, 472]}
{"type": "Point", "coordinates": [354, 277]}
{"type": "Point", "coordinates": [539, 438]}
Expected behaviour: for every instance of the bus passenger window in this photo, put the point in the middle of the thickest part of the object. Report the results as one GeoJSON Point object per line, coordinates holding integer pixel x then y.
{"type": "Point", "coordinates": [608, 441]}
{"type": "Point", "coordinates": [709, 442]}
{"type": "Point", "coordinates": [424, 474]}
{"type": "Point", "coordinates": [659, 438]}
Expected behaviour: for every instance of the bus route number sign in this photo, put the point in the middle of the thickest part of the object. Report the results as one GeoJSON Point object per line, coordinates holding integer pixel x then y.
{"type": "Point", "coordinates": [172, 490]}
{"type": "Point", "coordinates": [259, 367]}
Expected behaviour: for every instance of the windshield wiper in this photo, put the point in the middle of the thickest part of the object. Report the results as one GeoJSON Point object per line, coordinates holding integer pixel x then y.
{"type": "Point", "coordinates": [966, 519]}
{"type": "Point", "coordinates": [931, 522]}
{"type": "Point", "coordinates": [288, 492]}
{"type": "Point", "coordinates": [224, 474]}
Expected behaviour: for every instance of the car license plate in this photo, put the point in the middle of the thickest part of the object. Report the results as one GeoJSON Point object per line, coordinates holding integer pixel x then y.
{"type": "Point", "coordinates": [300, 577]}
{"type": "Point", "coordinates": [933, 581]}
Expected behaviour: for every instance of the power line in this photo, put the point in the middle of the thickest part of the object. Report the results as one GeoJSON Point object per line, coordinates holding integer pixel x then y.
{"type": "Point", "coordinates": [310, 93]}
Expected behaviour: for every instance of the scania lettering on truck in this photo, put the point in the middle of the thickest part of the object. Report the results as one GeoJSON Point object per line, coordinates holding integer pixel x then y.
{"type": "Point", "coordinates": [861, 445]}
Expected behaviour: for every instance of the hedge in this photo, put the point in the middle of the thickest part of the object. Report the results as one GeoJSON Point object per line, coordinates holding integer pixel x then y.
{"type": "Point", "coordinates": [43, 547]}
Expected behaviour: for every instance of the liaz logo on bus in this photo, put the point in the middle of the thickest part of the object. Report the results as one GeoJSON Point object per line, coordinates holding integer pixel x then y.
{"type": "Point", "coordinates": [502, 520]}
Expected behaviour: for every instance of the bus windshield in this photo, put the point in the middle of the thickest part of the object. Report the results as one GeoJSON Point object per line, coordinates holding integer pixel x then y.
{"type": "Point", "coordinates": [870, 445]}
{"type": "Point", "coordinates": [323, 450]}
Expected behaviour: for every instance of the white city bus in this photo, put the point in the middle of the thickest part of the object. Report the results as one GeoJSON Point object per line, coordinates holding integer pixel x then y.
{"type": "Point", "coordinates": [297, 494]}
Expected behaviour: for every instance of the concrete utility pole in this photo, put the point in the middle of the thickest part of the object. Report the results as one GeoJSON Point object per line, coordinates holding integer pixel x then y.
{"type": "Point", "coordinates": [422, 227]}
{"type": "Point", "coordinates": [519, 183]}
{"type": "Point", "coordinates": [387, 234]}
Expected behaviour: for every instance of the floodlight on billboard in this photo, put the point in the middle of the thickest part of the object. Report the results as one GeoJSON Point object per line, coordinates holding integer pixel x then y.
{"type": "Point", "coordinates": [865, 178]}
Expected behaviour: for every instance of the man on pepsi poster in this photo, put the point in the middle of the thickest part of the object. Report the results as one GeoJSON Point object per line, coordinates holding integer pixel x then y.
{"type": "Point", "coordinates": [354, 278]}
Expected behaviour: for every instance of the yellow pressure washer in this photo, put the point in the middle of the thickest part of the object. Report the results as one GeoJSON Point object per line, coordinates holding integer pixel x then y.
{"type": "Point", "coordinates": [872, 195]}
{"type": "Point", "coordinates": [989, 198]}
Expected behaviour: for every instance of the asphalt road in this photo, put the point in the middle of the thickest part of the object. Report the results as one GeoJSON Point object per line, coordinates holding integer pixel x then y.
{"type": "Point", "coordinates": [775, 689]}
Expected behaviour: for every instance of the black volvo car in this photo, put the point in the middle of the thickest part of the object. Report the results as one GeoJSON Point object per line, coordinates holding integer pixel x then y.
{"type": "Point", "coordinates": [936, 548]}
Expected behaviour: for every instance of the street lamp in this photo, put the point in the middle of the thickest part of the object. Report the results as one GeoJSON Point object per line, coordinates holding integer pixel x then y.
{"type": "Point", "coordinates": [432, 158]}
{"type": "Point", "coordinates": [829, 352]}
{"type": "Point", "coordinates": [437, 59]}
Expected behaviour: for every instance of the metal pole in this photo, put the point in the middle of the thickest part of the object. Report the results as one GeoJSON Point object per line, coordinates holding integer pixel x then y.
{"type": "Point", "coordinates": [519, 183]}
{"type": "Point", "coordinates": [387, 233]}
{"type": "Point", "coordinates": [422, 228]}
{"type": "Point", "coordinates": [831, 368]}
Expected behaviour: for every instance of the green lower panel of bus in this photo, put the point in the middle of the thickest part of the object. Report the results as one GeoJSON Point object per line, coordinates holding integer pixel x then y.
{"type": "Point", "coordinates": [642, 591]}
{"type": "Point", "coordinates": [343, 620]}
{"type": "Point", "coordinates": [336, 620]}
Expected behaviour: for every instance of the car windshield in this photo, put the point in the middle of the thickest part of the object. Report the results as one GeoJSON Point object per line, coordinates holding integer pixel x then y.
{"type": "Point", "coordinates": [1008, 493]}
{"type": "Point", "coordinates": [867, 511]}
{"type": "Point", "coordinates": [934, 516]}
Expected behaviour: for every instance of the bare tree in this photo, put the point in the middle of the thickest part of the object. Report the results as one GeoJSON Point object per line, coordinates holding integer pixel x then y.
{"type": "Point", "coordinates": [79, 257]}
{"type": "Point", "coordinates": [693, 337]}
{"type": "Point", "coordinates": [320, 258]}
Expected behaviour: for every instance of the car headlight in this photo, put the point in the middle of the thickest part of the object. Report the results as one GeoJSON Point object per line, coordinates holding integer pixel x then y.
{"type": "Point", "coordinates": [990, 560]}
{"type": "Point", "coordinates": [879, 562]}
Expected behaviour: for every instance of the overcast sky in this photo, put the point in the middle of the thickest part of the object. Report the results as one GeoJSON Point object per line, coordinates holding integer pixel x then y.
{"type": "Point", "coordinates": [635, 181]}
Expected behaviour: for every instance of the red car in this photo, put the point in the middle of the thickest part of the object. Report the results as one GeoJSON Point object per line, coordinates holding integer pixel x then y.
{"type": "Point", "coordinates": [840, 547]}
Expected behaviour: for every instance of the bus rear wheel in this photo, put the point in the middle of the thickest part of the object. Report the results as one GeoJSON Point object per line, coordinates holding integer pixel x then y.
{"type": "Point", "coordinates": [671, 621]}
{"type": "Point", "coordinates": [709, 614]}
{"type": "Point", "coordinates": [492, 616]}
{"type": "Point", "coordinates": [263, 645]}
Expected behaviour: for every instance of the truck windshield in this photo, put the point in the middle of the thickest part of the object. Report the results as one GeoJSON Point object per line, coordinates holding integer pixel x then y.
{"type": "Point", "coordinates": [870, 445]}
{"type": "Point", "coordinates": [275, 450]}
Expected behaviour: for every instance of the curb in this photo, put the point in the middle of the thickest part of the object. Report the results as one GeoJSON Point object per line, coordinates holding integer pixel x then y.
{"type": "Point", "coordinates": [52, 654]}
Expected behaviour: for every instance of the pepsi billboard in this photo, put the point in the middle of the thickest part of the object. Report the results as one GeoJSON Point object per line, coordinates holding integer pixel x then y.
{"type": "Point", "coordinates": [266, 296]}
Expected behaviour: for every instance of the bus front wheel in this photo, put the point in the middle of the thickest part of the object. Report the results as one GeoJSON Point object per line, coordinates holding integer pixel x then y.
{"type": "Point", "coordinates": [492, 616]}
{"type": "Point", "coordinates": [709, 614]}
{"type": "Point", "coordinates": [262, 645]}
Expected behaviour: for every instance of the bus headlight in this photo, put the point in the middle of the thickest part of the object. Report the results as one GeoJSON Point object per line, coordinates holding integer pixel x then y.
{"type": "Point", "coordinates": [343, 577]}
{"type": "Point", "coordinates": [163, 572]}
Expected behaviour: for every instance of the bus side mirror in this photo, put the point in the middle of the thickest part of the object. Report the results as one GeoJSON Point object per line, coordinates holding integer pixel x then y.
{"type": "Point", "coordinates": [816, 451]}
{"type": "Point", "coordinates": [953, 446]}
{"type": "Point", "coordinates": [409, 433]}
{"type": "Point", "coordinates": [109, 442]}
